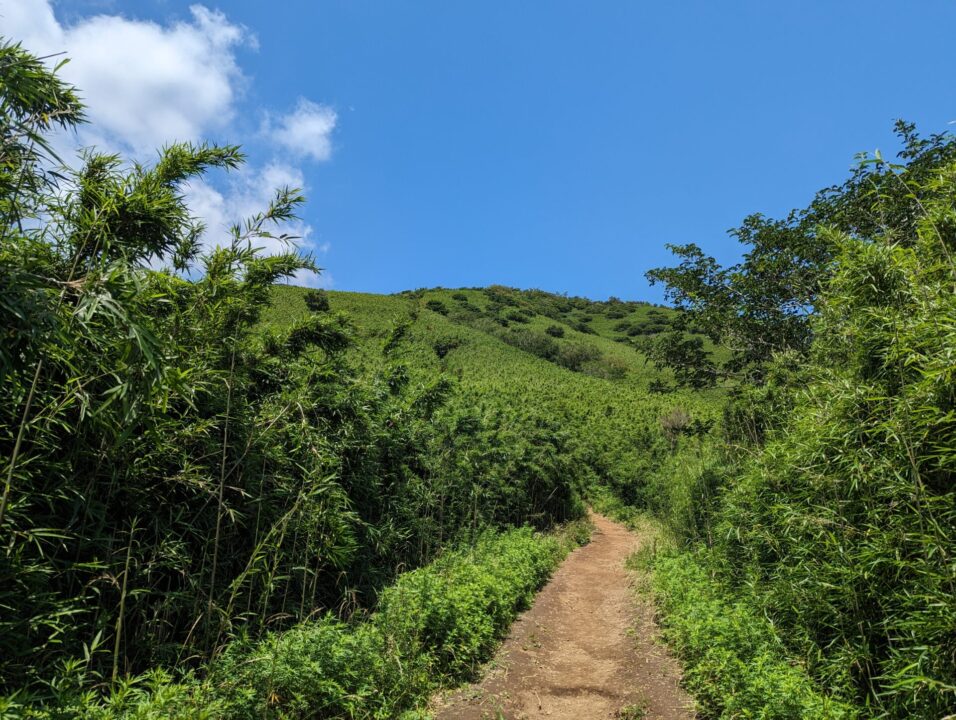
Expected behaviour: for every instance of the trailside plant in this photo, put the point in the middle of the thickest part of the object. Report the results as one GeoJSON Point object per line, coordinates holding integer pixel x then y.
{"type": "Point", "coordinates": [828, 508]}
{"type": "Point", "coordinates": [433, 628]}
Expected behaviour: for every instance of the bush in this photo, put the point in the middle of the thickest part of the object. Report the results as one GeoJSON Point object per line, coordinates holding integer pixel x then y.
{"type": "Point", "coordinates": [555, 331]}
{"type": "Point", "coordinates": [574, 355]}
{"type": "Point", "coordinates": [456, 609]}
{"type": "Point", "coordinates": [533, 342]}
{"type": "Point", "coordinates": [317, 300]}
{"type": "Point", "coordinates": [338, 669]}
{"type": "Point", "coordinates": [443, 346]}
{"type": "Point", "coordinates": [517, 316]}
{"type": "Point", "coordinates": [734, 664]}
{"type": "Point", "coordinates": [500, 295]}
{"type": "Point", "coordinates": [609, 368]}
{"type": "Point", "coordinates": [437, 306]}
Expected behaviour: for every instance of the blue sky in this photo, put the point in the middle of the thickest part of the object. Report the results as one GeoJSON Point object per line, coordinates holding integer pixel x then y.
{"type": "Point", "coordinates": [557, 145]}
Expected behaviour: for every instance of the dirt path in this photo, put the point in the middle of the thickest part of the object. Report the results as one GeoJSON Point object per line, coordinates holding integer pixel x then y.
{"type": "Point", "coordinates": [586, 649]}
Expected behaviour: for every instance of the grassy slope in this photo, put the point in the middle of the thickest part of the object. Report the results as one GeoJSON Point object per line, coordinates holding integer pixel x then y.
{"type": "Point", "coordinates": [613, 416]}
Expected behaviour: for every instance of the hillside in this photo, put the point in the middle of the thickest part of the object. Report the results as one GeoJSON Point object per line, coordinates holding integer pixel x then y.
{"type": "Point", "coordinates": [606, 336]}
{"type": "Point", "coordinates": [592, 384]}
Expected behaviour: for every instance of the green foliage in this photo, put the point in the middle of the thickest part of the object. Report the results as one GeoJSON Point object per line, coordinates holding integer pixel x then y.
{"type": "Point", "coordinates": [533, 342]}
{"type": "Point", "coordinates": [685, 355]}
{"type": "Point", "coordinates": [517, 316]}
{"type": "Point", "coordinates": [762, 306]}
{"type": "Point", "coordinates": [34, 103]}
{"type": "Point", "coordinates": [443, 346]}
{"type": "Point", "coordinates": [437, 306]}
{"type": "Point", "coordinates": [827, 506]}
{"type": "Point", "coordinates": [433, 627]}
{"type": "Point", "coordinates": [317, 300]}
{"type": "Point", "coordinates": [866, 593]}
{"type": "Point", "coordinates": [555, 331]}
{"type": "Point", "coordinates": [457, 608]}
{"type": "Point", "coordinates": [734, 663]}
{"type": "Point", "coordinates": [574, 356]}
{"type": "Point", "coordinates": [180, 468]}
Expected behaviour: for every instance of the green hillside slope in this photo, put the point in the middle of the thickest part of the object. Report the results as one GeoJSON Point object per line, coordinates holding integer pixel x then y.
{"type": "Point", "coordinates": [603, 400]}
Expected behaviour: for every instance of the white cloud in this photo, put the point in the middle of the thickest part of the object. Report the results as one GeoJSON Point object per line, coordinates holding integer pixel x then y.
{"type": "Point", "coordinates": [144, 84]}
{"type": "Point", "coordinates": [306, 131]}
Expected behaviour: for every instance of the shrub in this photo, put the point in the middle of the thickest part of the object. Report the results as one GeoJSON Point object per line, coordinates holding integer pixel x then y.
{"type": "Point", "coordinates": [555, 331]}
{"type": "Point", "coordinates": [574, 355]}
{"type": "Point", "coordinates": [516, 316]}
{"type": "Point", "coordinates": [734, 663]}
{"type": "Point", "coordinates": [437, 306]}
{"type": "Point", "coordinates": [674, 424]}
{"type": "Point", "coordinates": [443, 346]}
{"type": "Point", "coordinates": [500, 295]}
{"type": "Point", "coordinates": [609, 368]}
{"type": "Point", "coordinates": [533, 342]}
{"type": "Point", "coordinates": [456, 609]}
{"type": "Point", "coordinates": [317, 300]}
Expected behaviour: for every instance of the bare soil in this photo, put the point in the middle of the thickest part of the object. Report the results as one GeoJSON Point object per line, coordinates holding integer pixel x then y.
{"type": "Point", "coordinates": [588, 648]}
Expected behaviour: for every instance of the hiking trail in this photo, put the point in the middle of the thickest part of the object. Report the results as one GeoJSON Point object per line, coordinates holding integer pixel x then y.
{"type": "Point", "coordinates": [587, 648]}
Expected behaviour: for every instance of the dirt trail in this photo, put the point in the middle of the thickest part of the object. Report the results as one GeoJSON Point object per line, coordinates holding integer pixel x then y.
{"type": "Point", "coordinates": [586, 649]}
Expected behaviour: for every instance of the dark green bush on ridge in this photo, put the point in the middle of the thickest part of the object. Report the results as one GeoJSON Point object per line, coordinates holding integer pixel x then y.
{"type": "Point", "coordinates": [437, 306]}
{"type": "Point", "coordinates": [516, 316]}
{"type": "Point", "coordinates": [317, 300]}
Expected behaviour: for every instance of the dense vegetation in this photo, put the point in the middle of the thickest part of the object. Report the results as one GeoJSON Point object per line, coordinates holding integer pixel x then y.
{"type": "Point", "coordinates": [175, 473]}
{"type": "Point", "coordinates": [435, 625]}
{"type": "Point", "coordinates": [826, 501]}
{"type": "Point", "coordinates": [202, 465]}
{"type": "Point", "coordinates": [224, 496]}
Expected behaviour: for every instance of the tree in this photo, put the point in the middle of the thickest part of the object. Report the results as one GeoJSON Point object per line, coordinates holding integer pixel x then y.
{"type": "Point", "coordinates": [762, 305]}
